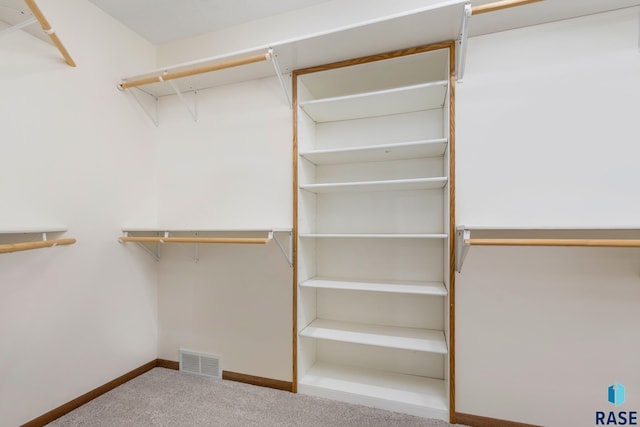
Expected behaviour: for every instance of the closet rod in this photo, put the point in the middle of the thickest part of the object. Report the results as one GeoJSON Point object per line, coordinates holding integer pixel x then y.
{"type": "Point", "coordinates": [47, 29]}
{"type": "Point", "coordinates": [200, 70]}
{"type": "Point", "coordinates": [609, 243]}
{"type": "Point", "coordinates": [250, 240]}
{"type": "Point", "coordinates": [16, 247]}
{"type": "Point", "coordinates": [504, 4]}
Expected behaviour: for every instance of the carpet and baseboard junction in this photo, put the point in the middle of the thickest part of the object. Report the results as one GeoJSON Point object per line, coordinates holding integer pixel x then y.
{"type": "Point", "coordinates": [156, 394]}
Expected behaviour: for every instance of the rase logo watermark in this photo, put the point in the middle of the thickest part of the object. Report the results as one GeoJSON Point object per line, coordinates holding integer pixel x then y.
{"type": "Point", "coordinates": [616, 396]}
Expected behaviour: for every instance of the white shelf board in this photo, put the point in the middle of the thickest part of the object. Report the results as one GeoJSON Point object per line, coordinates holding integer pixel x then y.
{"type": "Point", "coordinates": [185, 229]}
{"type": "Point", "coordinates": [378, 153]}
{"type": "Point", "coordinates": [388, 185]}
{"type": "Point", "coordinates": [398, 31]}
{"type": "Point", "coordinates": [410, 394]}
{"type": "Point", "coordinates": [592, 227]}
{"type": "Point", "coordinates": [406, 99]}
{"type": "Point", "coordinates": [390, 286]}
{"type": "Point", "coordinates": [392, 32]}
{"type": "Point", "coordinates": [32, 229]}
{"type": "Point", "coordinates": [539, 13]}
{"type": "Point", "coordinates": [375, 235]}
{"type": "Point", "coordinates": [414, 339]}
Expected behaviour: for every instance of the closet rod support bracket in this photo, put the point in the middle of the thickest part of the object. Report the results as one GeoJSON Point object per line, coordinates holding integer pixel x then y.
{"type": "Point", "coordinates": [276, 66]}
{"type": "Point", "coordinates": [461, 42]}
{"type": "Point", "coordinates": [462, 246]}
{"type": "Point", "coordinates": [18, 26]}
{"type": "Point", "coordinates": [155, 118]}
{"type": "Point", "coordinates": [287, 254]}
{"type": "Point", "coordinates": [193, 112]}
{"type": "Point", "coordinates": [196, 254]}
{"type": "Point", "coordinates": [155, 255]}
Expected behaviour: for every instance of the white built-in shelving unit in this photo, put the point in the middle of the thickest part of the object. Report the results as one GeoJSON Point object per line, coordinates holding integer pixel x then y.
{"type": "Point", "coordinates": [373, 231]}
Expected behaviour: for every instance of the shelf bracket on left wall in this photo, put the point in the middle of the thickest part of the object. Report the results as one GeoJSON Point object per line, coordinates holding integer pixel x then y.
{"type": "Point", "coordinates": [153, 116]}
{"type": "Point", "coordinates": [193, 112]}
{"type": "Point", "coordinates": [18, 26]}
{"type": "Point", "coordinates": [154, 254]}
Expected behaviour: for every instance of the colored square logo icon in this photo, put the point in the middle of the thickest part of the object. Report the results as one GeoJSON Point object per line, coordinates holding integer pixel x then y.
{"type": "Point", "coordinates": [616, 394]}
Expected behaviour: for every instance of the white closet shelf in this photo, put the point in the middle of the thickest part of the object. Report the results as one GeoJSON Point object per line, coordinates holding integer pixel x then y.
{"type": "Point", "coordinates": [203, 229]}
{"type": "Point", "coordinates": [561, 236]}
{"type": "Point", "coordinates": [33, 229]}
{"type": "Point", "coordinates": [387, 185]}
{"type": "Point", "coordinates": [6, 248]}
{"type": "Point", "coordinates": [197, 235]}
{"type": "Point", "coordinates": [365, 38]}
{"type": "Point", "coordinates": [410, 394]}
{"type": "Point", "coordinates": [378, 153]}
{"type": "Point", "coordinates": [390, 286]}
{"type": "Point", "coordinates": [407, 99]}
{"type": "Point", "coordinates": [375, 235]}
{"type": "Point", "coordinates": [545, 236]}
{"type": "Point", "coordinates": [415, 339]}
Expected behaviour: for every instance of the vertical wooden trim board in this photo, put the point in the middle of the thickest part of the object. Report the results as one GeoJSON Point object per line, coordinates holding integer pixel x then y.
{"type": "Point", "coordinates": [294, 258]}
{"type": "Point", "coordinates": [452, 233]}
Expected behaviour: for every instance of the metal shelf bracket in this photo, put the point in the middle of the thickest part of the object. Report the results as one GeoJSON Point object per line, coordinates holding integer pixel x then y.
{"type": "Point", "coordinates": [462, 246]}
{"type": "Point", "coordinates": [154, 117]}
{"type": "Point", "coordinates": [193, 112]}
{"type": "Point", "coordinates": [461, 42]}
{"type": "Point", "coordinates": [154, 254]}
{"type": "Point", "coordinates": [288, 255]}
{"type": "Point", "coordinates": [276, 66]}
{"type": "Point", "coordinates": [18, 26]}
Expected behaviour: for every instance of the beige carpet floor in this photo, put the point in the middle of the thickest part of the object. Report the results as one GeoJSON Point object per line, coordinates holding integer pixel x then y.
{"type": "Point", "coordinates": [164, 397]}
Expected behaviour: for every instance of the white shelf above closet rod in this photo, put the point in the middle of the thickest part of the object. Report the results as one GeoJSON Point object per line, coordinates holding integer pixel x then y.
{"type": "Point", "coordinates": [44, 243]}
{"type": "Point", "coordinates": [166, 238]}
{"type": "Point", "coordinates": [464, 241]}
{"type": "Point", "coordinates": [237, 240]}
{"type": "Point", "coordinates": [168, 77]}
{"type": "Point", "coordinates": [25, 246]}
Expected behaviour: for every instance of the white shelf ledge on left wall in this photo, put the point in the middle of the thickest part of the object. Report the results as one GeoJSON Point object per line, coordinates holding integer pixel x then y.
{"type": "Point", "coordinates": [10, 242]}
{"type": "Point", "coordinates": [157, 236]}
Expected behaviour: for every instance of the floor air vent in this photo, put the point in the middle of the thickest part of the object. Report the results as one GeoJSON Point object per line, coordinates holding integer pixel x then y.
{"type": "Point", "coordinates": [208, 365]}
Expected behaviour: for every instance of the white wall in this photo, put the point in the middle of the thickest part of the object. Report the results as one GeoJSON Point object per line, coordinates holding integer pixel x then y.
{"type": "Point", "coordinates": [73, 151]}
{"type": "Point", "coordinates": [547, 123]}
{"type": "Point", "coordinates": [230, 170]}
{"type": "Point", "coordinates": [547, 135]}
